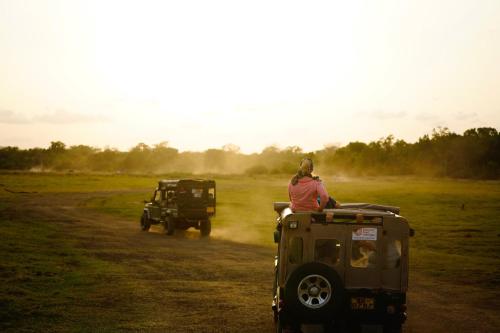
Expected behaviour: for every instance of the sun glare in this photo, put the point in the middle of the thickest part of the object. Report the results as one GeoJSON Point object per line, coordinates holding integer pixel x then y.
{"type": "Point", "coordinates": [235, 72]}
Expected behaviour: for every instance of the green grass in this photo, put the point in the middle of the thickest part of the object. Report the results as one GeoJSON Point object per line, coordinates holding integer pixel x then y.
{"type": "Point", "coordinates": [457, 244]}
{"type": "Point", "coordinates": [244, 208]}
{"type": "Point", "coordinates": [43, 272]}
{"type": "Point", "coordinates": [451, 243]}
{"type": "Point", "coordinates": [462, 245]}
{"type": "Point", "coordinates": [70, 182]}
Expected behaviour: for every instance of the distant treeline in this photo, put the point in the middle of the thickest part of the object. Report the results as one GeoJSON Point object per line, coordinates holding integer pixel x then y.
{"type": "Point", "coordinates": [474, 154]}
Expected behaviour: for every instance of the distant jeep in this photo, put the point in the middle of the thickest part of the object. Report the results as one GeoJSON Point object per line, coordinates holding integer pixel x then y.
{"type": "Point", "coordinates": [343, 269]}
{"type": "Point", "coordinates": [181, 204]}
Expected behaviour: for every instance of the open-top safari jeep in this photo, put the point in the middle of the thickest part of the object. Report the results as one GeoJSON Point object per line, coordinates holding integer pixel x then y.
{"type": "Point", "coordinates": [344, 269]}
{"type": "Point", "coordinates": [181, 204]}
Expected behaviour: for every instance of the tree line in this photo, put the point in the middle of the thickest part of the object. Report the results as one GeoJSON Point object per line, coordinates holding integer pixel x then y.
{"type": "Point", "coordinates": [473, 154]}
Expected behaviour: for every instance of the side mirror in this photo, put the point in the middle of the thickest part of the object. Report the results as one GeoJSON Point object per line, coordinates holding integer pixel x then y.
{"type": "Point", "coordinates": [145, 201]}
{"type": "Point", "coordinates": [277, 236]}
{"type": "Point", "coordinates": [412, 232]}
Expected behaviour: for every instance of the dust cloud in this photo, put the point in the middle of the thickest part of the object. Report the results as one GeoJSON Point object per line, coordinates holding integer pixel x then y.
{"type": "Point", "coordinates": [237, 234]}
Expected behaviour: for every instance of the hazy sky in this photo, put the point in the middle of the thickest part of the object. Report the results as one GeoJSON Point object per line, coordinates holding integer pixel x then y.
{"type": "Point", "coordinates": [201, 74]}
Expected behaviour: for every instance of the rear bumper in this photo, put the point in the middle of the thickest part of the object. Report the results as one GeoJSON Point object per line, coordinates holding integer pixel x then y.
{"type": "Point", "coordinates": [389, 310]}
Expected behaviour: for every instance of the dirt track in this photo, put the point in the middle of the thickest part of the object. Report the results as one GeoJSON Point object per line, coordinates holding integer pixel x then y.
{"type": "Point", "coordinates": [187, 284]}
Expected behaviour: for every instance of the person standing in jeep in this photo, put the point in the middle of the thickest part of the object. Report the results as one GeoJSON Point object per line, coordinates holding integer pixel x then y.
{"type": "Point", "coordinates": [305, 189]}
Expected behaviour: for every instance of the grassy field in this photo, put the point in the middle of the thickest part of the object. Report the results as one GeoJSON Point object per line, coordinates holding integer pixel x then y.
{"type": "Point", "coordinates": [455, 242]}
{"type": "Point", "coordinates": [459, 244]}
{"type": "Point", "coordinates": [456, 221]}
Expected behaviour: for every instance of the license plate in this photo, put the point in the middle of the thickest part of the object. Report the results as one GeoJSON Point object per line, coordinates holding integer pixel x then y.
{"type": "Point", "coordinates": [362, 303]}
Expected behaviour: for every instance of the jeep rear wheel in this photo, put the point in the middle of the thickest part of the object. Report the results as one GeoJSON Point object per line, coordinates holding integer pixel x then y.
{"type": "Point", "coordinates": [169, 226]}
{"type": "Point", "coordinates": [205, 227]}
{"type": "Point", "coordinates": [145, 223]}
{"type": "Point", "coordinates": [314, 292]}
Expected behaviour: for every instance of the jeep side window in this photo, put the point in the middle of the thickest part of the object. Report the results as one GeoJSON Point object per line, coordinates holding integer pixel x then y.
{"type": "Point", "coordinates": [295, 250]}
{"type": "Point", "coordinates": [392, 254]}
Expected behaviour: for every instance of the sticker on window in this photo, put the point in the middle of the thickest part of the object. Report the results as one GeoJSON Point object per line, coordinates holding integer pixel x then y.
{"type": "Point", "coordinates": [365, 234]}
{"type": "Point", "coordinates": [197, 192]}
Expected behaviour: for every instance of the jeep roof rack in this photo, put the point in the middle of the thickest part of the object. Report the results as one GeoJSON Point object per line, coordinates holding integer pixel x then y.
{"type": "Point", "coordinates": [384, 208]}
{"type": "Point", "coordinates": [186, 180]}
{"type": "Point", "coordinates": [280, 206]}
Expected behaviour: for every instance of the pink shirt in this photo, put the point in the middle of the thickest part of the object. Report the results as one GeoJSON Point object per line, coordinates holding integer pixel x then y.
{"type": "Point", "coordinates": [304, 195]}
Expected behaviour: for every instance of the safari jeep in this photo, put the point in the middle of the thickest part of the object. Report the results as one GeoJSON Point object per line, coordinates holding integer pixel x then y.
{"type": "Point", "coordinates": [344, 269]}
{"type": "Point", "coordinates": [181, 204]}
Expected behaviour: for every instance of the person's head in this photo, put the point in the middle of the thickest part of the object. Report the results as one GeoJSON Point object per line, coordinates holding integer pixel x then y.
{"type": "Point", "coordinates": [306, 166]}
{"type": "Point", "coordinates": [305, 169]}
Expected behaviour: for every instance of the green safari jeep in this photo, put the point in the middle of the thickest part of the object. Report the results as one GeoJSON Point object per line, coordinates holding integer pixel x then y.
{"type": "Point", "coordinates": [181, 204]}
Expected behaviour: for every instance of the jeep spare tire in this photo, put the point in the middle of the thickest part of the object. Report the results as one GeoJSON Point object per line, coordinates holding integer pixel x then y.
{"type": "Point", "coordinates": [314, 291]}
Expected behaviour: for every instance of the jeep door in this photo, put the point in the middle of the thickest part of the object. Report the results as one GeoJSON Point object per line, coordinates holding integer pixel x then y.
{"type": "Point", "coordinates": [192, 199]}
{"type": "Point", "coordinates": [154, 210]}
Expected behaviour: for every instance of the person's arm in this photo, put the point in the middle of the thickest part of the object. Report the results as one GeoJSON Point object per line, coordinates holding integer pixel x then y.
{"type": "Point", "coordinates": [323, 196]}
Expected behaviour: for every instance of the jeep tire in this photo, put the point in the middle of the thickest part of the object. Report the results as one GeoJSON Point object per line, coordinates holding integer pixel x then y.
{"type": "Point", "coordinates": [314, 292]}
{"type": "Point", "coordinates": [205, 227]}
{"type": "Point", "coordinates": [145, 223]}
{"type": "Point", "coordinates": [169, 225]}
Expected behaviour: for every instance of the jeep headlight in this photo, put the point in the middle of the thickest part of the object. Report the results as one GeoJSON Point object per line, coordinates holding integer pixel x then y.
{"type": "Point", "coordinates": [293, 224]}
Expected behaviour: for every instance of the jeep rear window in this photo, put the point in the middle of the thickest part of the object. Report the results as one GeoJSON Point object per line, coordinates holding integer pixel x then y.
{"type": "Point", "coordinates": [327, 251]}
{"type": "Point", "coordinates": [363, 254]}
{"type": "Point", "coordinates": [364, 247]}
{"type": "Point", "coordinates": [295, 250]}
